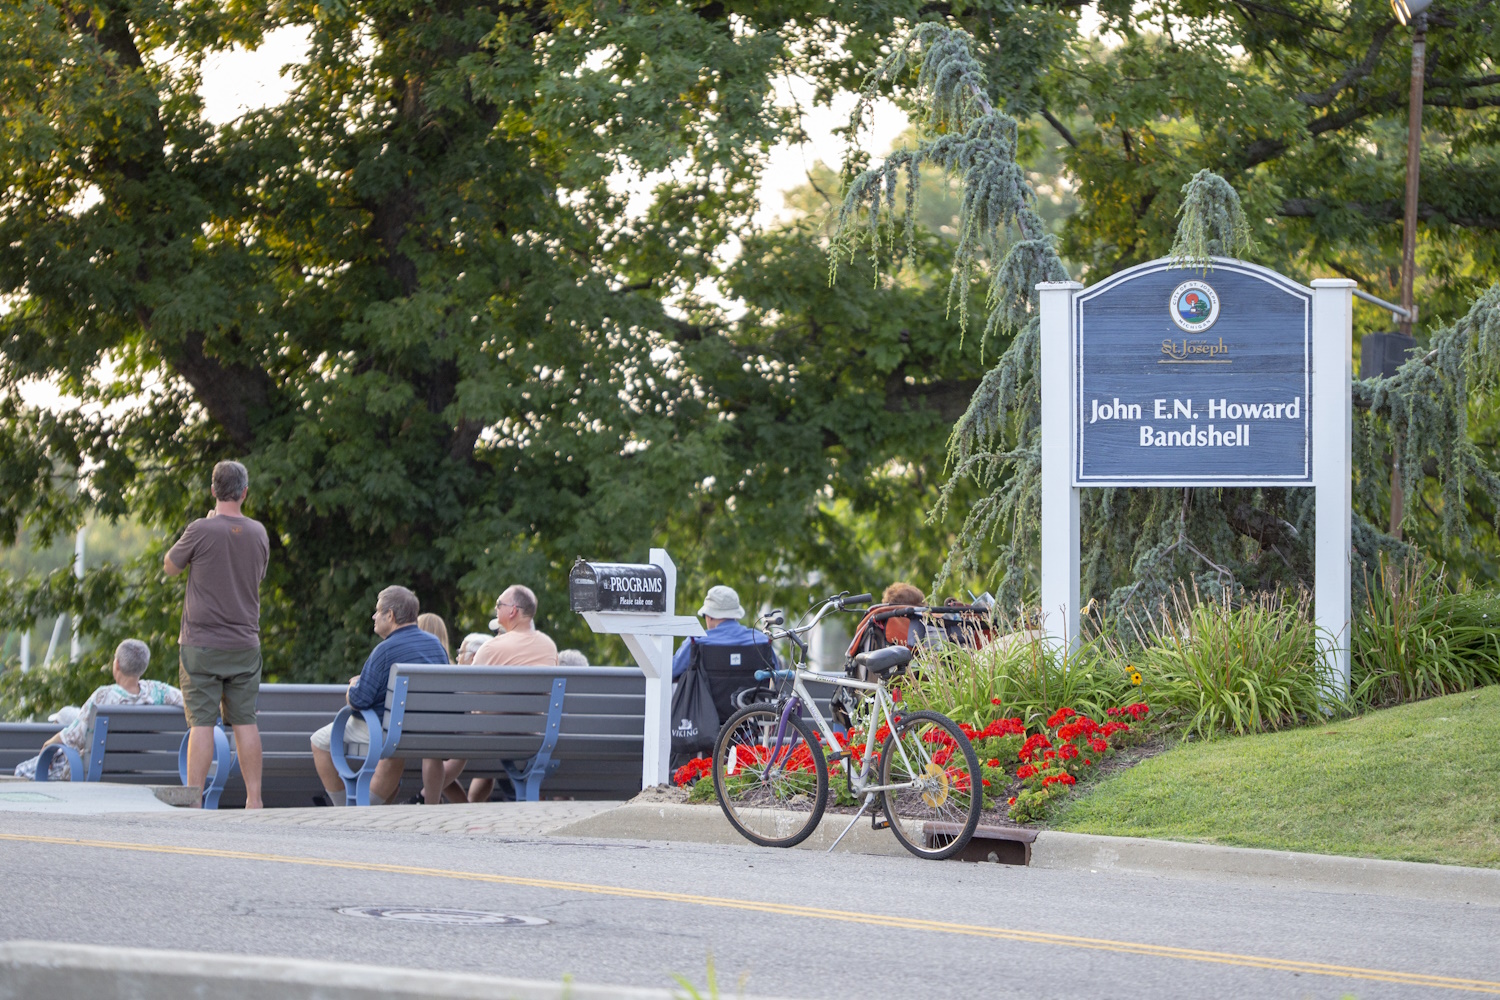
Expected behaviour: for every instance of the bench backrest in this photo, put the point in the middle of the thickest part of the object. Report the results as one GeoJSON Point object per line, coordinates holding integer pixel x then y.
{"type": "Point", "coordinates": [288, 714]}
{"type": "Point", "coordinates": [494, 716]}
{"type": "Point", "coordinates": [22, 741]}
{"type": "Point", "coordinates": [505, 712]}
{"type": "Point", "coordinates": [137, 744]}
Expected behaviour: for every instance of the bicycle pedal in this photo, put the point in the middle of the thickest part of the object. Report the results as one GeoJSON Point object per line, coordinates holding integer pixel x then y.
{"type": "Point", "coordinates": [878, 821]}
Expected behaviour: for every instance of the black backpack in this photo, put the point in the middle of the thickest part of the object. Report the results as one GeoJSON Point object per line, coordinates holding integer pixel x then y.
{"type": "Point", "coordinates": [695, 720]}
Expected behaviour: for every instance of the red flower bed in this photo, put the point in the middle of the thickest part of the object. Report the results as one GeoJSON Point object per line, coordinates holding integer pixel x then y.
{"type": "Point", "coordinates": [1048, 762]}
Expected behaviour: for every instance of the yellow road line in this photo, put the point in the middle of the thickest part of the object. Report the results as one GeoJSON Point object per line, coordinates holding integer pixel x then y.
{"type": "Point", "coordinates": [814, 913]}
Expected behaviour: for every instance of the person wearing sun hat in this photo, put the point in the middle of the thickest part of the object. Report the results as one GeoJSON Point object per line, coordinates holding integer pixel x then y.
{"type": "Point", "coordinates": [721, 614]}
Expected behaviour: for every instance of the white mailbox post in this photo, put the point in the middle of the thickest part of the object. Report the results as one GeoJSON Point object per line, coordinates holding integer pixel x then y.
{"type": "Point", "coordinates": [648, 635]}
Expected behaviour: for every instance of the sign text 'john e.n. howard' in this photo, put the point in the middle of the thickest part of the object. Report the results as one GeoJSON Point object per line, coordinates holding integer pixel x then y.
{"type": "Point", "coordinates": [1185, 378]}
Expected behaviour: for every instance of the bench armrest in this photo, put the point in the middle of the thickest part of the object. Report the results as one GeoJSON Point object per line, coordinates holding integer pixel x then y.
{"type": "Point", "coordinates": [218, 770]}
{"type": "Point", "coordinates": [356, 783]}
{"type": "Point", "coordinates": [44, 762]}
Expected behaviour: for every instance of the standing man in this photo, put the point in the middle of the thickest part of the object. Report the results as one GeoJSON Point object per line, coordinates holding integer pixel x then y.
{"type": "Point", "coordinates": [520, 645]}
{"type": "Point", "coordinates": [219, 665]}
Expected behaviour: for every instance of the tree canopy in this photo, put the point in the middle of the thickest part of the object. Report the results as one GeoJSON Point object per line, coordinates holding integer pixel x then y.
{"type": "Point", "coordinates": [413, 297]}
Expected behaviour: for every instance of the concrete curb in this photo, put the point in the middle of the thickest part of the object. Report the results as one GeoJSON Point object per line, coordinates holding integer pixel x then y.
{"type": "Point", "coordinates": [178, 795]}
{"type": "Point", "coordinates": [33, 969]}
{"type": "Point", "coordinates": [1443, 883]}
{"type": "Point", "coordinates": [675, 822]}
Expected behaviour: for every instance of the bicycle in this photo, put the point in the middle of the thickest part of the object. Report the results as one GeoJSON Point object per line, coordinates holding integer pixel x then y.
{"type": "Point", "coordinates": [771, 774]}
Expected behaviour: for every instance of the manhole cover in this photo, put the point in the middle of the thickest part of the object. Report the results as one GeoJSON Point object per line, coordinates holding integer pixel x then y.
{"type": "Point", "coordinates": [27, 797]}
{"type": "Point", "coordinates": [436, 915]}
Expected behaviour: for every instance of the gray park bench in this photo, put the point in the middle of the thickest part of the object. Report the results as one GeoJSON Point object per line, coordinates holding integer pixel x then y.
{"type": "Point", "coordinates": [141, 745]}
{"type": "Point", "coordinates": [22, 741]}
{"type": "Point", "coordinates": [287, 715]}
{"type": "Point", "coordinates": [574, 731]}
{"type": "Point", "coordinates": [146, 744]}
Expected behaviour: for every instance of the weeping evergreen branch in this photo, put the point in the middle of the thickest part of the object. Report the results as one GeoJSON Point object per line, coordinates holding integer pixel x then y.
{"type": "Point", "coordinates": [1136, 543]}
{"type": "Point", "coordinates": [1213, 223]}
{"type": "Point", "coordinates": [997, 441]}
{"type": "Point", "coordinates": [1425, 406]}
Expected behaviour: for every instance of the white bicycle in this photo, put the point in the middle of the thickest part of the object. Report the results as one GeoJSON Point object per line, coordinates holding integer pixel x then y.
{"type": "Point", "coordinates": [770, 767]}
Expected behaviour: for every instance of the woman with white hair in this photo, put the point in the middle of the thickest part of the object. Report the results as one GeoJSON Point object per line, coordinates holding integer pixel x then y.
{"type": "Point", "coordinates": [132, 657]}
{"type": "Point", "coordinates": [470, 646]}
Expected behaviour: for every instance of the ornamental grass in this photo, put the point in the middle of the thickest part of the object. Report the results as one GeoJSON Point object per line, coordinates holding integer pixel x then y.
{"type": "Point", "coordinates": [1414, 638]}
{"type": "Point", "coordinates": [1220, 667]}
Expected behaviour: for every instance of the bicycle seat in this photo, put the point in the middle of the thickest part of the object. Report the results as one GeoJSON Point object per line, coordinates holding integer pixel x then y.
{"type": "Point", "coordinates": [888, 660]}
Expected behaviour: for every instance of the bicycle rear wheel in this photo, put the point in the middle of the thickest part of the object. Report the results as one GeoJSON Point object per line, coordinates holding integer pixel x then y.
{"type": "Point", "coordinates": [773, 792]}
{"type": "Point", "coordinates": [935, 817]}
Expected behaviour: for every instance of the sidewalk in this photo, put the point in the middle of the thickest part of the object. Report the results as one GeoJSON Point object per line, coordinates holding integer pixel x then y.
{"type": "Point", "coordinates": [80, 798]}
{"type": "Point", "coordinates": [32, 969]}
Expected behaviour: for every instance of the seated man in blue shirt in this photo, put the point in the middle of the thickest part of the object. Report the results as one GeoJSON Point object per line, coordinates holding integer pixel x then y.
{"type": "Point", "coordinates": [721, 612]}
{"type": "Point", "coordinates": [395, 621]}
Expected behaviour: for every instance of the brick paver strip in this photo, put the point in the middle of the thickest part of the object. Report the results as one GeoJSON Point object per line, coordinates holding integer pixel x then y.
{"type": "Point", "coordinates": [512, 818]}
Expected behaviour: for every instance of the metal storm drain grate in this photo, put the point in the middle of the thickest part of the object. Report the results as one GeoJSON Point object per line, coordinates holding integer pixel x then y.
{"type": "Point", "coordinates": [437, 915]}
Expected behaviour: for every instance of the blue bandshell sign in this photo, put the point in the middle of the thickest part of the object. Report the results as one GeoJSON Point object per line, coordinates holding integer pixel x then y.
{"type": "Point", "coordinates": [1190, 378]}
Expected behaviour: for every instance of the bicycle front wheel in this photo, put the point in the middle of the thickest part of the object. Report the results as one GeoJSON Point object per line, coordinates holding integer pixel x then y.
{"type": "Point", "coordinates": [935, 812]}
{"type": "Point", "coordinates": [771, 780]}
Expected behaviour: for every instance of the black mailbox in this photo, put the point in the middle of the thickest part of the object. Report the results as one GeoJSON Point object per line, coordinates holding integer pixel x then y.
{"type": "Point", "coordinates": [594, 586]}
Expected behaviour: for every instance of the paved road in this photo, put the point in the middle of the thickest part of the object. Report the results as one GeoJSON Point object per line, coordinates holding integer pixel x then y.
{"type": "Point", "coordinates": [632, 913]}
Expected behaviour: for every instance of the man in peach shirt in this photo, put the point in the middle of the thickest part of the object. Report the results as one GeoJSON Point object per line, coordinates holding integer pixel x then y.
{"type": "Point", "coordinates": [520, 645]}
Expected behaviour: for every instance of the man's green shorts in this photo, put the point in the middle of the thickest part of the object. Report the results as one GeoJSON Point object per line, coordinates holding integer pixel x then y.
{"type": "Point", "coordinates": [219, 679]}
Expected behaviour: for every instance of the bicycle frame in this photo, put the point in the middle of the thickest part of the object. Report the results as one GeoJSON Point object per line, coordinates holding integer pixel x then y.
{"type": "Point", "coordinates": [884, 706]}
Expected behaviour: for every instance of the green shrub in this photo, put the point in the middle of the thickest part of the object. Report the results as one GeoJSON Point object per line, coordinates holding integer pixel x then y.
{"type": "Point", "coordinates": [1413, 639]}
{"type": "Point", "coordinates": [1027, 677]}
{"type": "Point", "coordinates": [1220, 667]}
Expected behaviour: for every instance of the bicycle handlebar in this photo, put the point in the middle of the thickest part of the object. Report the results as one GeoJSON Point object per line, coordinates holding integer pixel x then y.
{"type": "Point", "coordinates": [776, 618]}
{"type": "Point", "coordinates": [780, 674]}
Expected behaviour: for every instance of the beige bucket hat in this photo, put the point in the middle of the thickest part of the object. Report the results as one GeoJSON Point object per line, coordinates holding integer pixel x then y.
{"type": "Point", "coordinates": [722, 602]}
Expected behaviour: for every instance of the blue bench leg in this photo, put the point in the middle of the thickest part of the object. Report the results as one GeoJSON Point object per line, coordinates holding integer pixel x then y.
{"type": "Point", "coordinates": [356, 783]}
{"type": "Point", "coordinates": [220, 768]}
{"type": "Point", "coordinates": [44, 762]}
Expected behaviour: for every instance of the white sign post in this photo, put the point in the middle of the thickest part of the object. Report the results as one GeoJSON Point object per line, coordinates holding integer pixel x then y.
{"type": "Point", "coordinates": [1140, 347]}
{"type": "Point", "coordinates": [648, 635]}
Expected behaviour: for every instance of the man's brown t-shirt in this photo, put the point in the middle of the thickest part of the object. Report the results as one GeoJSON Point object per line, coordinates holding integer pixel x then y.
{"type": "Point", "coordinates": [226, 557]}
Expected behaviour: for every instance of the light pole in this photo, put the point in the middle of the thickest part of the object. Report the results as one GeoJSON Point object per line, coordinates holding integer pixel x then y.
{"type": "Point", "coordinates": [1414, 13]}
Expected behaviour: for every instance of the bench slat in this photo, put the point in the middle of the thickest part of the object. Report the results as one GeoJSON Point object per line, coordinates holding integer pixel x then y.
{"type": "Point", "coordinates": [507, 724]}
{"type": "Point", "coordinates": [477, 701]}
{"type": "Point", "coordinates": [438, 745]}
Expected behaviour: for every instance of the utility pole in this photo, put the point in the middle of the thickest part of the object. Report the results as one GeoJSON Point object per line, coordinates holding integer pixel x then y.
{"type": "Point", "coordinates": [78, 543]}
{"type": "Point", "coordinates": [1414, 13]}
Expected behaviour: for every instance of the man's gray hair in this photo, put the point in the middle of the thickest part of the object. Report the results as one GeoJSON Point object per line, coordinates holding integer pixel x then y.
{"type": "Point", "coordinates": [132, 657]}
{"type": "Point", "coordinates": [473, 641]}
{"type": "Point", "coordinates": [231, 480]}
{"type": "Point", "coordinates": [572, 658]}
{"type": "Point", "coordinates": [522, 598]}
{"type": "Point", "coordinates": [401, 603]}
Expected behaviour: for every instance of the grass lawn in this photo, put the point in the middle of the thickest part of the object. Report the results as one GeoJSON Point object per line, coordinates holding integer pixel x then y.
{"type": "Point", "coordinates": [1415, 783]}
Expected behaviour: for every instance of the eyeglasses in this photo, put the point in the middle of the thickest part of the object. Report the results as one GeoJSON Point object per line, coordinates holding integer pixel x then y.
{"type": "Point", "coordinates": [505, 604]}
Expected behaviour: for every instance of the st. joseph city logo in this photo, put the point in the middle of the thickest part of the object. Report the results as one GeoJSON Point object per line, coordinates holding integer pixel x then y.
{"type": "Point", "coordinates": [1195, 306]}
